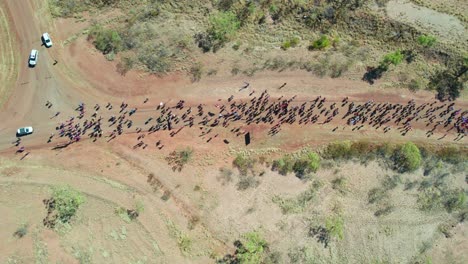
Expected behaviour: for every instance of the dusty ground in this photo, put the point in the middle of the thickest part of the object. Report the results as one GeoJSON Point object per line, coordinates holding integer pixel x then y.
{"type": "Point", "coordinates": [113, 174]}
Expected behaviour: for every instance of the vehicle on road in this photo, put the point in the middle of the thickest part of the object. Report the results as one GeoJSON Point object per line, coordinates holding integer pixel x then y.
{"type": "Point", "coordinates": [46, 40]}
{"type": "Point", "coordinates": [23, 131]}
{"type": "Point", "coordinates": [33, 58]}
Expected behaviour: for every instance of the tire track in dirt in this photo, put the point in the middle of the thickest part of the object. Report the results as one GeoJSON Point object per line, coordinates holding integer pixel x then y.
{"type": "Point", "coordinates": [8, 57]}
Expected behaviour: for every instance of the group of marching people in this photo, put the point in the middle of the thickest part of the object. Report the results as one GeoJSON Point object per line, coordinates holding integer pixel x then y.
{"type": "Point", "coordinates": [262, 109]}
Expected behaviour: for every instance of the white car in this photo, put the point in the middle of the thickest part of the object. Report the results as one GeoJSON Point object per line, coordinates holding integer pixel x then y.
{"type": "Point", "coordinates": [24, 131]}
{"type": "Point", "coordinates": [33, 58]}
{"type": "Point", "coordinates": [46, 40]}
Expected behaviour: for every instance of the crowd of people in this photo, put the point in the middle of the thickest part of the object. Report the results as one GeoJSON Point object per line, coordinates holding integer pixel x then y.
{"type": "Point", "coordinates": [262, 109]}
{"type": "Point", "coordinates": [237, 115]}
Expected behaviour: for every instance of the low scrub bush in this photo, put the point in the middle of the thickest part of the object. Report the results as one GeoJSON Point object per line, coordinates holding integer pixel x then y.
{"type": "Point", "coordinates": [156, 58]}
{"type": "Point", "coordinates": [223, 26]}
{"type": "Point", "coordinates": [252, 248]}
{"type": "Point", "coordinates": [321, 43]}
{"type": "Point", "coordinates": [340, 184]}
{"type": "Point", "coordinates": [302, 165]}
{"type": "Point", "coordinates": [394, 58]}
{"type": "Point", "coordinates": [408, 158]}
{"type": "Point", "coordinates": [244, 164]}
{"type": "Point", "coordinates": [106, 40]}
{"type": "Point", "coordinates": [66, 202]}
{"type": "Point", "coordinates": [246, 182]}
{"type": "Point", "coordinates": [426, 40]}
{"type": "Point", "coordinates": [335, 226]}
{"type": "Point", "coordinates": [338, 150]}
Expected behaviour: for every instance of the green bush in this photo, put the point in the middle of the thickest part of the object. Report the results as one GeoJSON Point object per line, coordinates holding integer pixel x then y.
{"type": "Point", "coordinates": [106, 40]}
{"type": "Point", "coordinates": [426, 40]}
{"type": "Point", "coordinates": [284, 165]}
{"type": "Point", "coordinates": [338, 150]}
{"type": "Point", "coordinates": [335, 226]}
{"type": "Point", "coordinates": [223, 26]}
{"type": "Point", "coordinates": [244, 163]}
{"type": "Point", "coordinates": [286, 45]}
{"type": "Point", "coordinates": [408, 158]}
{"type": "Point", "coordinates": [321, 43]}
{"type": "Point", "coordinates": [394, 58]}
{"type": "Point", "coordinates": [252, 249]}
{"type": "Point", "coordinates": [156, 58]}
{"type": "Point", "coordinates": [455, 200]}
{"type": "Point", "coordinates": [67, 201]}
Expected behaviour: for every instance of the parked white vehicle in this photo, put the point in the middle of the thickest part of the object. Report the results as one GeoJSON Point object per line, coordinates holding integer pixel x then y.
{"type": "Point", "coordinates": [24, 131]}
{"type": "Point", "coordinates": [33, 58]}
{"type": "Point", "coordinates": [46, 40]}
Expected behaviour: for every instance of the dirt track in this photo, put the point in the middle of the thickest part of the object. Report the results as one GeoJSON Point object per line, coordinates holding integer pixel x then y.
{"type": "Point", "coordinates": [83, 75]}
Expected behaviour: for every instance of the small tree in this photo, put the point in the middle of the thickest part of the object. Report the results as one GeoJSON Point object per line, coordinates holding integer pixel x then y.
{"type": "Point", "coordinates": [426, 40]}
{"type": "Point", "coordinates": [106, 40]}
{"type": "Point", "coordinates": [251, 251]}
{"type": "Point", "coordinates": [223, 26]}
{"type": "Point", "coordinates": [408, 158]}
{"type": "Point", "coordinates": [67, 201]}
{"type": "Point", "coordinates": [321, 43]}
{"type": "Point", "coordinates": [394, 58]}
{"type": "Point", "coordinates": [335, 226]}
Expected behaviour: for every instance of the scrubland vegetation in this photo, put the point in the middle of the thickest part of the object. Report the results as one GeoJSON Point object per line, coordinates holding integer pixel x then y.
{"type": "Point", "coordinates": [327, 38]}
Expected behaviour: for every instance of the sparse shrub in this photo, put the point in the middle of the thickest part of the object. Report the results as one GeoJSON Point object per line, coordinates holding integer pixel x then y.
{"type": "Point", "coordinates": [298, 204]}
{"type": "Point", "coordinates": [286, 45]}
{"type": "Point", "coordinates": [223, 26]}
{"type": "Point", "coordinates": [125, 65]}
{"type": "Point", "coordinates": [376, 195]}
{"type": "Point", "coordinates": [67, 201]}
{"type": "Point", "coordinates": [455, 200]}
{"type": "Point", "coordinates": [236, 46]}
{"type": "Point", "coordinates": [225, 175]}
{"type": "Point", "coordinates": [246, 182]}
{"type": "Point", "coordinates": [394, 58]}
{"type": "Point", "coordinates": [426, 40]}
{"type": "Point", "coordinates": [283, 165]}
{"type": "Point", "coordinates": [244, 163]}
{"type": "Point", "coordinates": [166, 195]}
{"type": "Point", "coordinates": [304, 165]}
{"type": "Point", "coordinates": [452, 154]}
{"type": "Point", "coordinates": [430, 199]}
{"type": "Point", "coordinates": [21, 231]}
{"type": "Point", "coordinates": [408, 158]}
{"type": "Point", "coordinates": [414, 85]}
{"type": "Point", "coordinates": [338, 150]}
{"type": "Point", "coordinates": [106, 40]}
{"type": "Point", "coordinates": [178, 159]}
{"type": "Point", "coordinates": [155, 57]}
{"type": "Point", "coordinates": [321, 43]}
{"type": "Point", "coordinates": [196, 71]}
{"type": "Point", "coordinates": [251, 249]}
{"type": "Point", "coordinates": [290, 43]}
{"type": "Point", "coordinates": [335, 226]}
{"type": "Point", "coordinates": [390, 183]}
{"type": "Point", "coordinates": [340, 184]}
{"type": "Point", "coordinates": [384, 209]}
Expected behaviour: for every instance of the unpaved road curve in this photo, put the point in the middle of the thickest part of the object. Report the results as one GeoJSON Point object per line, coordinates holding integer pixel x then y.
{"type": "Point", "coordinates": [25, 106]}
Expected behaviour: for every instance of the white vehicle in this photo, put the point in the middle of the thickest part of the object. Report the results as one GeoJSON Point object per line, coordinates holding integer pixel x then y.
{"type": "Point", "coordinates": [24, 131]}
{"type": "Point", "coordinates": [33, 58]}
{"type": "Point", "coordinates": [46, 40]}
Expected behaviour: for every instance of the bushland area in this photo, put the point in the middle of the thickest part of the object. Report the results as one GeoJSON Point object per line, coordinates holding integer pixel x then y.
{"type": "Point", "coordinates": [353, 39]}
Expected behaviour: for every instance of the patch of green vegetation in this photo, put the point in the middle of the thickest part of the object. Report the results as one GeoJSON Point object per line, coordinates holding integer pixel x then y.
{"type": "Point", "coordinates": [184, 242]}
{"type": "Point", "coordinates": [108, 41]}
{"type": "Point", "coordinates": [340, 184]}
{"type": "Point", "coordinates": [426, 40]}
{"type": "Point", "coordinates": [244, 163]}
{"type": "Point", "coordinates": [155, 57]}
{"type": "Point", "coordinates": [21, 231]}
{"type": "Point", "coordinates": [223, 26]}
{"type": "Point", "coordinates": [393, 58]}
{"type": "Point", "coordinates": [335, 226]}
{"type": "Point", "coordinates": [246, 182]}
{"type": "Point", "coordinates": [408, 158]}
{"type": "Point", "coordinates": [301, 165]}
{"type": "Point", "coordinates": [439, 197]}
{"type": "Point", "coordinates": [322, 43]}
{"type": "Point", "coordinates": [299, 203]}
{"type": "Point", "coordinates": [67, 201]}
{"type": "Point", "coordinates": [290, 43]}
{"type": "Point", "coordinates": [252, 249]}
